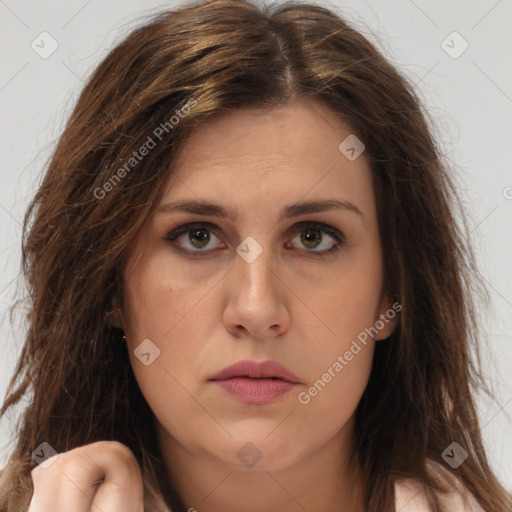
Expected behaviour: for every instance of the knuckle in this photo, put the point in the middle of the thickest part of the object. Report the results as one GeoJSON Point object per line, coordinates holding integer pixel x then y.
{"type": "Point", "coordinates": [123, 452]}
{"type": "Point", "coordinates": [40, 472]}
{"type": "Point", "coordinates": [121, 455]}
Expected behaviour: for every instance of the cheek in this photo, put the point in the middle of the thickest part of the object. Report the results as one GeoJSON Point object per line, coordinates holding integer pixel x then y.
{"type": "Point", "coordinates": [167, 316]}
{"type": "Point", "coordinates": [339, 375]}
{"type": "Point", "coordinates": [342, 353]}
{"type": "Point", "coordinates": [343, 302]}
{"type": "Point", "coordinates": [162, 313]}
{"type": "Point", "coordinates": [158, 297]}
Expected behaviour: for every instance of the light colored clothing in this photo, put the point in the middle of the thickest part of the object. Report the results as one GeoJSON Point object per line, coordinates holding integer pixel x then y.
{"type": "Point", "coordinates": [410, 495]}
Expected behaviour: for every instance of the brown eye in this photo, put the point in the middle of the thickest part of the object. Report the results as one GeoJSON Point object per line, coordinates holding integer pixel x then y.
{"type": "Point", "coordinates": [318, 239]}
{"type": "Point", "coordinates": [311, 238]}
{"type": "Point", "coordinates": [194, 239]}
{"type": "Point", "coordinates": [199, 238]}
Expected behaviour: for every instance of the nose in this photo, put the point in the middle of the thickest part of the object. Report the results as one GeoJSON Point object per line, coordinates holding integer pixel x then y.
{"type": "Point", "coordinates": [256, 305]}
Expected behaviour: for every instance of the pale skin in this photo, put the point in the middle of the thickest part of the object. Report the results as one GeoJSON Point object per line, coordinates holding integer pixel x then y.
{"type": "Point", "coordinates": [205, 313]}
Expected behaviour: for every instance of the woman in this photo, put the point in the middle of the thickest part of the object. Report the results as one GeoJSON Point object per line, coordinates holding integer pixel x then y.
{"type": "Point", "coordinates": [248, 290]}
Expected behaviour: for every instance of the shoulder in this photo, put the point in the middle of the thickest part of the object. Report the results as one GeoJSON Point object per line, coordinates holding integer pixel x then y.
{"type": "Point", "coordinates": [411, 496]}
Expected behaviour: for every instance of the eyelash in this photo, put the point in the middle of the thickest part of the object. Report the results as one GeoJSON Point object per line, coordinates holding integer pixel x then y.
{"type": "Point", "coordinates": [186, 228]}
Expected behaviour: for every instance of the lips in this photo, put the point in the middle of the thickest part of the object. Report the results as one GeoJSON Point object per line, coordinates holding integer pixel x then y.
{"type": "Point", "coordinates": [256, 383]}
{"type": "Point", "coordinates": [255, 370]}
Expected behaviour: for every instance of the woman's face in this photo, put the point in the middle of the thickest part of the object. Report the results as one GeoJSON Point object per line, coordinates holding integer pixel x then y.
{"type": "Point", "coordinates": [270, 281]}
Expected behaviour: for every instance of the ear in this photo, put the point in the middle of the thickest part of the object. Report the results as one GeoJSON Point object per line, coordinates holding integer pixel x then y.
{"type": "Point", "coordinates": [387, 320]}
{"type": "Point", "coordinates": [114, 317]}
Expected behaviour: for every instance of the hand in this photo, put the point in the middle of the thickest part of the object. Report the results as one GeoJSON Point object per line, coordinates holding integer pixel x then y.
{"type": "Point", "coordinates": [98, 477]}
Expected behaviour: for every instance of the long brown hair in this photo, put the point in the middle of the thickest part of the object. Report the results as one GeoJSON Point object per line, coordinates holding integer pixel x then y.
{"type": "Point", "coordinates": [221, 56]}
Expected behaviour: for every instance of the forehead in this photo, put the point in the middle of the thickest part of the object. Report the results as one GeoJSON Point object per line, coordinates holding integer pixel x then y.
{"type": "Point", "coordinates": [265, 155]}
{"type": "Point", "coordinates": [294, 129]}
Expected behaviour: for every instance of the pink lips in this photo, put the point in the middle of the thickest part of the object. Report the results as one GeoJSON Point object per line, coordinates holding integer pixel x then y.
{"type": "Point", "coordinates": [256, 383]}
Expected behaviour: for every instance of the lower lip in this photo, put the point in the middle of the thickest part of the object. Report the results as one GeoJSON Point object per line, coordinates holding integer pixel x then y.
{"type": "Point", "coordinates": [256, 391]}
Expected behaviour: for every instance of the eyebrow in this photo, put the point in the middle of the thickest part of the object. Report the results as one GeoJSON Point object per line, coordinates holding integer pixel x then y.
{"type": "Point", "coordinates": [199, 207]}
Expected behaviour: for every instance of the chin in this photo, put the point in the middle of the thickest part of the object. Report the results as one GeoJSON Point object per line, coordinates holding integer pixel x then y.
{"type": "Point", "coordinates": [260, 450]}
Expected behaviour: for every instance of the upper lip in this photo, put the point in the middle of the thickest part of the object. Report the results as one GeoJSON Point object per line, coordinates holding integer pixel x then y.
{"type": "Point", "coordinates": [256, 370]}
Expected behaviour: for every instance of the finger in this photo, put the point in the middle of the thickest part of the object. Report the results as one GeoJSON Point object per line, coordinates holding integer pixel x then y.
{"type": "Point", "coordinates": [121, 488]}
{"type": "Point", "coordinates": [102, 476]}
{"type": "Point", "coordinates": [69, 485]}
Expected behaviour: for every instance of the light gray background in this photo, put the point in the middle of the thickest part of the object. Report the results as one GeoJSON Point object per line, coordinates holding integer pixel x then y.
{"type": "Point", "coordinates": [470, 98]}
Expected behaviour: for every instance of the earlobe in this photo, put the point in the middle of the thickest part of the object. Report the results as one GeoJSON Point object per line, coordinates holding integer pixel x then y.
{"type": "Point", "coordinates": [113, 316]}
{"type": "Point", "coordinates": [388, 317]}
